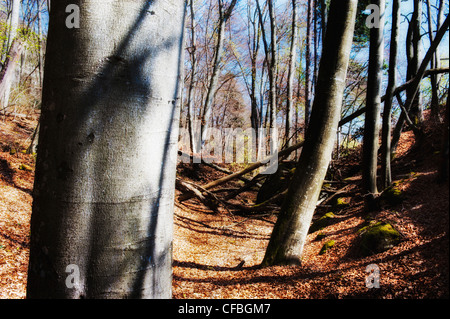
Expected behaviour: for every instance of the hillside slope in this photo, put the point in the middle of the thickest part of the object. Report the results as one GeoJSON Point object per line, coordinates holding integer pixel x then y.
{"type": "Point", "coordinates": [216, 254]}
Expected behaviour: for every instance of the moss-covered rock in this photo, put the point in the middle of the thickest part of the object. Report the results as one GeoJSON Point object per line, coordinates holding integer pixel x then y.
{"type": "Point", "coordinates": [328, 245]}
{"type": "Point", "coordinates": [340, 203]}
{"type": "Point", "coordinates": [392, 195]}
{"type": "Point", "coordinates": [378, 237]}
{"type": "Point", "coordinates": [322, 222]}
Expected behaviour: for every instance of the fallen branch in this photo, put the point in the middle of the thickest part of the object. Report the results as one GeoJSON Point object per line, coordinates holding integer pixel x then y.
{"type": "Point", "coordinates": [249, 169]}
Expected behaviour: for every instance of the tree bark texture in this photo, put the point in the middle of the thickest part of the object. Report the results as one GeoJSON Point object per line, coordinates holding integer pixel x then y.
{"type": "Point", "coordinates": [373, 106]}
{"type": "Point", "coordinates": [105, 172]}
{"type": "Point", "coordinates": [290, 127]}
{"type": "Point", "coordinates": [12, 35]}
{"type": "Point", "coordinates": [386, 177]}
{"type": "Point", "coordinates": [289, 234]}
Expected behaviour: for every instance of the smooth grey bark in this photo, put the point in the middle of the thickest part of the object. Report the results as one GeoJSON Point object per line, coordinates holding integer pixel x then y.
{"type": "Point", "coordinates": [373, 107]}
{"type": "Point", "coordinates": [290, 231]}
{"type": "Point", "coordinates": [289, 128]}
{"type": "Point", "coordinates": [12, 34]}
{"type": "Point", "coordinates": [105, 171]}
{"type": "Point", "coordinates": [308, 81]}
{"type": "Point", "coordinates": [8, 71]}
{"type": "Point", "coordinates": [224, 15]}
{"type": "Point", "coordinates": [386, 177]}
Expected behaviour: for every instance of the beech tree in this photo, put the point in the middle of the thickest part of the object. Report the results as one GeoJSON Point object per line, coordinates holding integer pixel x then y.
{"type": "Point", "coordinates": [386, 177]}
{"type": "Point", "coordinates": [102, 217]}
{"type": "Point", "coordinates": [13, 49]}
{"type": "Point", "coordinates": [373, 103]}
{"type": "Point", "coordinates": [290, 231]}
{"type": "Point", "coordinates": [224, 15]}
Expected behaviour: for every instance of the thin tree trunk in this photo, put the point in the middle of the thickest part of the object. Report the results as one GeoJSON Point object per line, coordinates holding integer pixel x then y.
{"type": "Point", "coordinates": [308, 82]}
{"type": "Point", "coordinates": [8, 80]}
{"type": "Point", "coordinates": [289, 128]}
{"type": "Point", "coordinates": [273, 65]}
{"type": "Point", "coordinates": [255, 116]}
{"type": "Point", "coordinates": [373, 107]}
{"type": "Point", "coordinates": [414, 60]}
{"type": "Point", "coordinates": [414, 86]}
{"type": "Point", "coordinates": [190, 98]}
{"type": "Point", "coordinates": [289, 235]}
{"type": "Point", "coordinates": [386, 177]}
{"type": "Point", "coordinates": [8, 71]}
{"type": "Point", "coordinates": [102, 216]}
{"type": "Point", "coordinates": [434, 106]}
{"type": "Point", "coordinates": [224, 15]}
{"type": "Point", "coordinates": [40, 43]}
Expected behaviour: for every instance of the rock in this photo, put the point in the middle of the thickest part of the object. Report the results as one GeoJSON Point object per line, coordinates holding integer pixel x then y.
{"type": "Point", "coordinates": [322, 222]}
{"type": "Point", "coordinates": [328, 245]}
{"type": "Point", "coordinates": [392, 195]}
{"type": "Point", "coordinates": [378, 237]}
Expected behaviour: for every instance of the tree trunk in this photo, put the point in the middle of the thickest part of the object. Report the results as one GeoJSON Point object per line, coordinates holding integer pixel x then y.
{"type": "Point", "coordinates": [434, 106]}
{"type": "Point", "coordinates": [308, 82]}
{"type": "Point", "coordinates": [414, 60]}
{"type": "Point", "coordinates": [8, 71]}
{"type": "Point", "coordinates": [289, 235]}
{"type": "Point", "coordinates": [102, 216]}
{"type": "Point", "coordinates": [273, 66]}
{"type": "Point", "coordinates": [373, 107]}
{"type": "Point", "coordinates": [413, 87]}
{"type": "Point", "coordinates": [289, 129]}
{"type": "Point", "coordinates": [224, 15]}
{"type": "Point", "coordinates": [386, 177]}
{"type": "Point", "coordinates": [190, 98]}
{"type": "Point", "coordinates": [9, 77]}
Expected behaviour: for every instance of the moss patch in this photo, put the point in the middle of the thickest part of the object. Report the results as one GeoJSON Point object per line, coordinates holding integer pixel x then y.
{"type": "Point", "coordinates": [392, 195]}
{"type": "Point", "coordinates": [328, 245]}
{"type": "Point", "coordinates": [378, 237]}
{"type": "Point", "coordinates": [341, 203]}
{"type": "Point", "coordinates": [322, 222]}
{"type": "Point", "coordinates": [25, 167]}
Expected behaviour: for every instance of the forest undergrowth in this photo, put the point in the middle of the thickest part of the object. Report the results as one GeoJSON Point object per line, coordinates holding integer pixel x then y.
{"type": "Point", "coordinates": [217, 254]}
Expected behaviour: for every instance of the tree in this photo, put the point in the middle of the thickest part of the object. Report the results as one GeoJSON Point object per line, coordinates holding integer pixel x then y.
{"type": "Point", "coordinates": [373, 106]}
{"type": "Point", "coordinates": [102, 216]}
{"type": "Point", "coordinates": [413, 58]}
{"type": "Point", "coordinates": [386, 177]}
{"type": "Point", "coordinates": [291, 72]}
{"type": "Point", "coordinates": [290, 231]}
{"type": "Point", "coordinates": [224, 15]}
{"type": "Point", "coordinates": [12, 51]}
{"type": "Point", "coordinates": [190, 97]}
{"type": "Point", "coordinates": [308, 80]}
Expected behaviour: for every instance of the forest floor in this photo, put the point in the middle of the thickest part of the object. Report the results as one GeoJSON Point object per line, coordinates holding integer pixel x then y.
{"type": "Point", "coordinates": [216, 255]}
